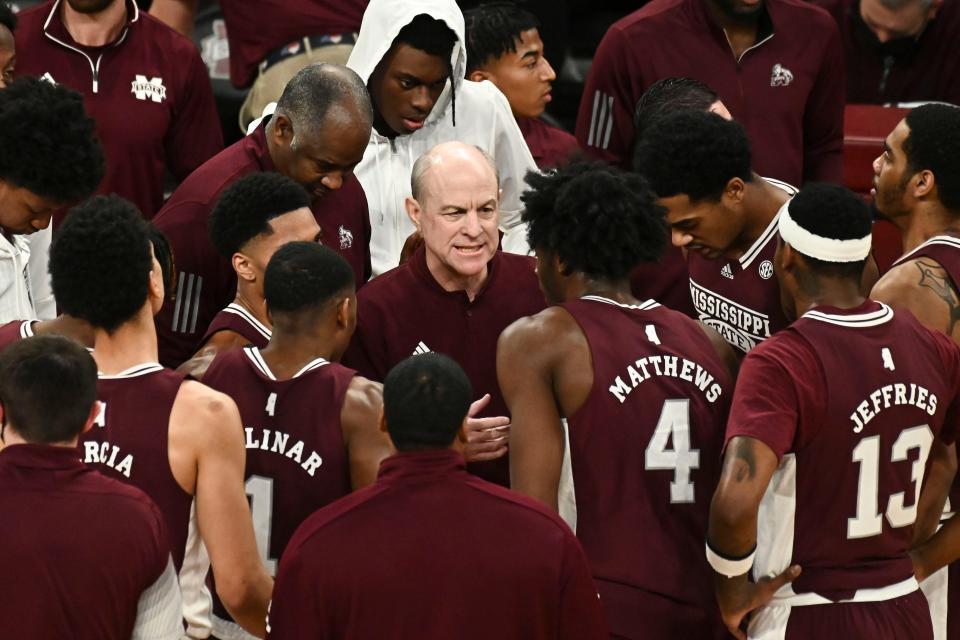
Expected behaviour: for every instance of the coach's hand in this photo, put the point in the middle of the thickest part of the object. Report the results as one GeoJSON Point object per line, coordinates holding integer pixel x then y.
{"type": "Point", "coordinates": [487, 438]}
{"type": "Point", "coordinates": [738, 596]}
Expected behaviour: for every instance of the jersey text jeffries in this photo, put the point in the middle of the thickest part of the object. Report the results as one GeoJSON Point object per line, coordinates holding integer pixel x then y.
{"type": "Point", "coordinates": [672, 366]}
{"type": "Point", "coordinates": [891, 395]}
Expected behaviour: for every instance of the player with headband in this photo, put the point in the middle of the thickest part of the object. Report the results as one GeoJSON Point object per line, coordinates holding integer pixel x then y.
{"type": "Point", "coordinates": [832, 422]}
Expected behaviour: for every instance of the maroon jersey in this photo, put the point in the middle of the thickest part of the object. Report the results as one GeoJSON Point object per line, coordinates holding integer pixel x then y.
{"type": "Point", "coordinates": [945, 251]}
{"type": "Point", "coordinates": [148, 92]}
{"type": "Point", "coordinates": [296, 459]}
{"type": "Point", "coordinates": [413, 555]}
{"type": "Point", "coordinates": [77, 549]}
{"type": "Point", "coordinates": [206, 282]}
{"type": "Point", "coordinates": [129, 442]}
{"type": "Point", "coordinates": [787, 90]}
{"type": "Point", "coordinates": [254, 29]}
{"type": "Point", "coordinates": [405, 311]}
{"type": "Point", "coordinates": [15, 331]}
{"type": "Point", "coordinates": [741, 298]}
{"type": "Point", "coordinates": [235, 318]}
{"type": "Point", "coordinates": [645, 447]}
{"type": "Point", "coordinates": [549, 146]}
{"type": "Point", "coordinates": [868, 412]}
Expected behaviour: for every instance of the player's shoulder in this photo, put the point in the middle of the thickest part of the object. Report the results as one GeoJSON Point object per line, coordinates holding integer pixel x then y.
{"type": "Point", "coordinates": [225, 363]}
{"type": "Point", "coordinates": [203, 402]}
{"type": "Point", "coordinates": [518, 509]}
{"type": "Point", "coordinates": [900, 286]}
{"type": "Point", "coordinates": [540, 330]}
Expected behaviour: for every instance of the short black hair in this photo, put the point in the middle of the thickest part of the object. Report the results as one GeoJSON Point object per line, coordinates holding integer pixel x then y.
{"type": "Point", "coordinates": [164, 255]}
{"type": "Point", "coordinates": [315, 89]}
{"type": "Point", "coordinates": [7, 17]}
{"type": "Point", "coordinates": [49, 143]}
{"type": "Point", "coordinates": [493, 30]}
{"type": "Point", "coordinates": [425, 400]}
{"type": "Point", "coordinates": [934, 145]}
{"type": "Point", "coordinates": [695, 153]}
{"type": "Point", "coordinates": [668, 95]}
{"type": "Point", "coordinates": [48, 385]}
{"type": "Point", "coordinates": [598, 220]}
{"type": "Point", "coordinates": [303, 275]}
{"type": "Point", "coordinates": [245, 209]}
{"type": "Point", "coordinates": [835, 212]}
{"type": "Point", "coordinates": [100, 262]}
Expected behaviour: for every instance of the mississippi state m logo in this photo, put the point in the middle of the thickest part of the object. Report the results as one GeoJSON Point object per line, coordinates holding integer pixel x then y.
{"type": "Point", "coordinates": [346, 237]}
{"type": "Point", "coordinates": [151, 89]}
{"type": "Point", "coordinates": [780, 76]}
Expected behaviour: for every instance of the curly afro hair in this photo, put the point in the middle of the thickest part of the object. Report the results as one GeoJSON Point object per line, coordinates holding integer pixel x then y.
{"type": "Point", "coordinates": [934, 144]}
{"type": "Point", "coordinates": [598, 220]}
{"type": "Point", "coordinates": [100, 262]}
{"type": "Point", "coordinates": [695, 153]}
{"type": "Point", "coordinates": [49, 143]}
{"type": "Point", "coordinates": [832, 211]}
{"type": "Point", "coordinates": [7, 17]}
{"type": "Point", "coordinates": [245, 209]}
{"type": "Point", "coordinates": [304, 275]}
{"type": "Point", "coordinates": [668, 95]}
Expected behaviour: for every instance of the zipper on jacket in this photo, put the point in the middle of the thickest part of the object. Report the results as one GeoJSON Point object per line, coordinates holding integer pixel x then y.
{"type": "Point", "coordinates": [885, 74]}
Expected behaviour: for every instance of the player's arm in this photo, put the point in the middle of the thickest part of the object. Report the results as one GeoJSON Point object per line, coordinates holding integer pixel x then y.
{"type": "Point", "coordinates": [748, 465]}
{"type": "Point", "coordinates": [923, 287]}
{"type": "Point", "coordinates": [367, 446]}
{"type": "Point", "coordinates": [178, 14]}
{"type": "Point", "coordinates": [939, 551]}
{"type": "Point", "coordinates": [527, 353]}
{"type": "Point", "coordinates": [198, 364]}
{"type": "Point", "coordinates": [208, 422]}
{"type": "Point", "coordinates": [941, 468]}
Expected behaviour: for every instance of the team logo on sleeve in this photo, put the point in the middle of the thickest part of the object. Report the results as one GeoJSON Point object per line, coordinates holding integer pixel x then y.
{"type": "Point", "coordinates": [780, 76]}
{"type": "Point", "coordinates": [346, 237]}
{"type": "Point", "coordinates": [151, 89]}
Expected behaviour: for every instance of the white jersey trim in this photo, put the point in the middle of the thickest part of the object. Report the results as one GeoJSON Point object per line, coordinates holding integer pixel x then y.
{"type": "Point", "coordinates": [133, 372]}
{"type": "Point", "coordinates": [948, 241]}
{"type": "Point", "coordinates": [197, 599]}
{"type": "Point", "coordinates": [860, 320]}
{"type": "Point", "coordinates": [257, 359]}
{"type": "Point", "coordinates": [26, 329]}
{"type": "Point", "coordinates": [237, 310]}
{"type": "Point", "coordinates": [643, 306]}
{"type": "Point", "coordinates": [750, 254]}
{"type": "Point", "coordinates": [160, 609]}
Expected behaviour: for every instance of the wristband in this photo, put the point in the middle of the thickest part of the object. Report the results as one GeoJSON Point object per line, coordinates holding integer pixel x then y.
{"type": "Point", "coordinates": [730, 567]}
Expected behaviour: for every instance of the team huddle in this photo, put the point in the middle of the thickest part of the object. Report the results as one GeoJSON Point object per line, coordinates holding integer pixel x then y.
{"type": "Point", "coordinates": [300, 403]}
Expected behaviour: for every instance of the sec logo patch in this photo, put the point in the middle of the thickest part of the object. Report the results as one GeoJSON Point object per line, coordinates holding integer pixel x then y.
{"type": "Point", "coordinates": [766, 269]}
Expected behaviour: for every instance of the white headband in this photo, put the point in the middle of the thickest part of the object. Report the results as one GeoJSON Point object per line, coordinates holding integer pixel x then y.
{"type": "Point", "coordinates": [826, 249]}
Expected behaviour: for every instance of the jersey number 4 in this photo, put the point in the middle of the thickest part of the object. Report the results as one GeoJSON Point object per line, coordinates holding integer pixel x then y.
{"type": "Point", "coordinates": [681, 459]}
{"type": "Point", "coordinates": [868, 520]}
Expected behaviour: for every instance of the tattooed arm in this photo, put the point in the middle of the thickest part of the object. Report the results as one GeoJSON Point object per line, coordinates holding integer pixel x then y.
{"type": "Point", "coordinates": [748, 466]}
{"type": "Point", "coordinates": [924, 288]}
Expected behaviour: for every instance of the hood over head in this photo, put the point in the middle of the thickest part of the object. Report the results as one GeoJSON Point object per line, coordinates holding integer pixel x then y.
{"type": "Point", "coordinates": [384, 19]}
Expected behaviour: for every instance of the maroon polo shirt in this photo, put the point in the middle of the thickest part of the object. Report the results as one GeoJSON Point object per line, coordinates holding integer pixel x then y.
{"type": "Point", "coordinates": [930, 71]}
{"type": "Point", "coordinates": [206, 282]}
{"type": "Point", "coordinates": [77, 548]}
{"type": "Point", "coordinates": [148, 92]}
{"type": "Point", "coordinates": [549, 146]}
{"type": "Point", "coordinates": [405, 311]}
{"type": "Point", "coordinates": [431, 552]}
{"type": "Point", "coordinates": [787, 90]}
{"type": "Point", "coordinates": [254, 29]}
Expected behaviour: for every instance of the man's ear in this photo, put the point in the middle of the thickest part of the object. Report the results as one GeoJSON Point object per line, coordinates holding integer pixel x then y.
{"type": "Point", "coordinates": [382, 422]}
{"type": "Point", "coordinates": [735, 190]}
{"type": "Point", "coordinates": [243, 266]}
{"type": "Point", "coordinates": [414, 211]}
{"type": "Point", "coordinates": [479, 75]}
{"type": "Point", "coordinates": [282, 129]}
{"type": "Point", "coordinates": [343, 313]}
{"type": "Point", "coordinates": [924, 184]}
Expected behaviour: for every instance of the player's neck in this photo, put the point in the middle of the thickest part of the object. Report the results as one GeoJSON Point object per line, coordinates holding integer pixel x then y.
{"type": "Point", "coordinates": [926, 221]}
{"type": "Point", "coordinates": [841, 293]}
{"type": "Point", "coordinates": [254, 303]}
{"type": "Point", "coordinates": [133, 343]}
{"type": "Point", "coordinates": [616, 290]}
{"type": "Point", "coordinates": [288, 353]}
{"type": "Point", "coordinates": [95, 29]}
{"type": "Point", "coordinates": [763, 202]}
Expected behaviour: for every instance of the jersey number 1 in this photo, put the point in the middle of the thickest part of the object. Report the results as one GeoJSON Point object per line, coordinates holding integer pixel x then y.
{"type": "Point", "coordinates": [260, 491]}
{"type": "Point", "coordinates": [868, 520]}
{"type": "Point", "coordinates": [674, 420]}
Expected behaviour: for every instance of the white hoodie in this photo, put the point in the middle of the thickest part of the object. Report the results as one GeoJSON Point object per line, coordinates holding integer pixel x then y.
{"type": "Point", "coordinates": [483, 118]}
